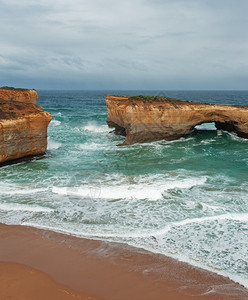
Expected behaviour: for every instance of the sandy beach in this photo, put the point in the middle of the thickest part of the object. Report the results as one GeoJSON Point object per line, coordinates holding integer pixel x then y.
{"type": "Point", "coordinates": [46, 265]}
{"type": "Point", "coordinates": [22, 282]}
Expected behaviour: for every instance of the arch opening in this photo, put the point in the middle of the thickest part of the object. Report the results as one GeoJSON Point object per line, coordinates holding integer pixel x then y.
{"type": "Point", "coordinates": [218, 126]}
{"type": "Point", "coordinates": [206, 126]}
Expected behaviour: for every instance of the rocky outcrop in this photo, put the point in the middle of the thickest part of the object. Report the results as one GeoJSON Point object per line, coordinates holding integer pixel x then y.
{"type": "Point", "coordinates": [20, 95]}
{"type": "Point", "coordinates": [23, 125]}
{"type": "Point", "coordinates": [146, 119]}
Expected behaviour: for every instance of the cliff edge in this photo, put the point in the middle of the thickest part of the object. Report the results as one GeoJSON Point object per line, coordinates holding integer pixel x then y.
{"type": "Point", "coordinates": [145, 119]}
{"type": "Point", "coordinates": [23, 125]}
{"type": "Point", "coordinates": [19, 95]}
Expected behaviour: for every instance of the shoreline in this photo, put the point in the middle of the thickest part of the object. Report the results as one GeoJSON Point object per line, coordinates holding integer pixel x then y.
{"type": "Point", "coordinates": [107, 270]}
{"type": "Point", "coordinates": [178, 259]}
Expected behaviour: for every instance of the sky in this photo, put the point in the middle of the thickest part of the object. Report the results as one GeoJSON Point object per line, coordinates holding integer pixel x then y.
{"type": "Point", "coordinates": [137, 44]}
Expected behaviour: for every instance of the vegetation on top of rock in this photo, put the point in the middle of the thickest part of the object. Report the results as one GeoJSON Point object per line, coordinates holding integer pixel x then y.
{"type": "Point", "coordinates": [174, 101]}
{"type": "Point", "coordinates": [151, 98]}
{"type": "Point", "coordinates": [10, 88]}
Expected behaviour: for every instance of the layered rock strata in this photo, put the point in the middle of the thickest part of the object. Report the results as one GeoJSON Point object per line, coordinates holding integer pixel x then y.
{"type": "Point", "coordinates": [145, 119]}
{"type": "Point", "coordinates": [23, 125]}
{"type": "Point", "coordinates": [19, 95]}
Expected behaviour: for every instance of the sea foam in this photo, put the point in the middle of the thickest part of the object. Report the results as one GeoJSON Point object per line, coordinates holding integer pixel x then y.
{"type": "Point", "coordinates": [93, 127]}
{"type": "Point", "coordinates": [55, 123]}
{"type": "Point", "coordinates": [140, 187]}
{"type": "Point", "coordinates": [52, 145]}
{"type": "Point", "coordinates": [23, 207]}
{"type": "Point", "coordinates": [14, 189]}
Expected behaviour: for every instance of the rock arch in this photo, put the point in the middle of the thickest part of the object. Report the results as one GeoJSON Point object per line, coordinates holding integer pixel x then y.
{"type": "Point", "coordinates": [146, 119]}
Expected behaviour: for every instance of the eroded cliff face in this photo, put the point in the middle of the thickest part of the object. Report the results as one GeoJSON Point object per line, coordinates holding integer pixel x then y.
{"type": "Point", "coordinates": [20, 95]}
{"type": "Point", "coordinates": [23, 127]}
{"type": "Point", "coordinates": [146, 119]}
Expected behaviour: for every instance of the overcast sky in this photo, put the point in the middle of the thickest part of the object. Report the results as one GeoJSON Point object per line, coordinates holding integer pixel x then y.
{"type": "Point", "coordinates": [132, 44]}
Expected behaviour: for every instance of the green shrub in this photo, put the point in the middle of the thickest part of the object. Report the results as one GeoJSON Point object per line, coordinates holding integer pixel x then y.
{"type": "Point", "coordinates": [10, 88]}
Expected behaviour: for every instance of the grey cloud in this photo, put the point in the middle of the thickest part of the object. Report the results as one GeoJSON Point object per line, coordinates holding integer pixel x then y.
{"type": "Point", "coordinates": [139, 44]}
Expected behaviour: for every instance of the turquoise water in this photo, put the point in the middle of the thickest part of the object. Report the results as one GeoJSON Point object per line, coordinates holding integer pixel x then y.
{"type": "Point", "coordinates": [186, 198]}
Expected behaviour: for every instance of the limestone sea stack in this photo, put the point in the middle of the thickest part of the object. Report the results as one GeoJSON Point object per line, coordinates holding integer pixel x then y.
{"type": "Point", "coordinates": [23, 125]}
{"type": "Point", "coordinates": [19, 95]}
{"type": "Point", "coordinates": [146, 118]}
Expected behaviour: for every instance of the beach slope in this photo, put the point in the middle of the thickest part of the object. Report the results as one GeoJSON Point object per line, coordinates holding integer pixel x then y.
{"type": "Point", "coordinates": [105, 270]}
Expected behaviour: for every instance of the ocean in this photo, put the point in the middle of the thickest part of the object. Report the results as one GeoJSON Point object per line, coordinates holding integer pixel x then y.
{"type": "Point", "coordinates": [187, 199]}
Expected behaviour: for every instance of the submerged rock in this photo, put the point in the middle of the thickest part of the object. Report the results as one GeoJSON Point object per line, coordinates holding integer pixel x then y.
{"type": "Point", "coordinates": [144, 119]}
{"type": "Point", "coordinates": [23, 125]}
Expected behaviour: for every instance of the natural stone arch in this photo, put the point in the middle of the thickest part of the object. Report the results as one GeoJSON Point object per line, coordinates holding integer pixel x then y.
{"type": "Point", "coordinates": [146, 119]}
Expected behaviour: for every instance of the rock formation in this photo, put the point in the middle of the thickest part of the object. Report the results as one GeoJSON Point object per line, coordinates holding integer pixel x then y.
{"type": "Point", "coordinates": [23, 125]}
{"type": "Point", "coordinates": [20, 95]}
{"type": "Point", "coordinates": [145, 119]}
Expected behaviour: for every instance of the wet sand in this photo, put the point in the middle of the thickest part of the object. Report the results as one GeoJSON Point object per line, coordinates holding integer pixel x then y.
{"type": "Point", "coordinates": [99, 270]}
{"type": "Point", "coordinates": [24, 283]}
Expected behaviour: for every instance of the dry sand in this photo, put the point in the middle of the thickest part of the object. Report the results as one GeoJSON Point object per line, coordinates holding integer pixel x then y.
{"type": "Point", "coordinates": [64, 267]}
